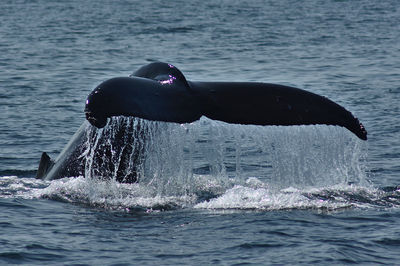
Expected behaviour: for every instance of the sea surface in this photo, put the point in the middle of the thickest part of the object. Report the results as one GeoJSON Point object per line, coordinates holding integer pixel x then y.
{"type": "Point", "coordinates": [213, 193]}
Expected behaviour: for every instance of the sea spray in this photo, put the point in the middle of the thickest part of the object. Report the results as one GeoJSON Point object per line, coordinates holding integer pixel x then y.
{"type": "Point", "coordinates": [212, 164]}
{"type": "Point", "coordinates": [167, 155]}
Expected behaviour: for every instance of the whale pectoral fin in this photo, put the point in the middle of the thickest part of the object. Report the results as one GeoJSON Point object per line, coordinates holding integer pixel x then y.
{"type": "Point", "coordinates": [44, 166]}
{"type": "Point", "coordinates": [272, 104]}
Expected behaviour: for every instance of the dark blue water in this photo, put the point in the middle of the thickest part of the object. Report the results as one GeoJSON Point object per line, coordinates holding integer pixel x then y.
{"type": "Point", "coordinates": [214, 193]}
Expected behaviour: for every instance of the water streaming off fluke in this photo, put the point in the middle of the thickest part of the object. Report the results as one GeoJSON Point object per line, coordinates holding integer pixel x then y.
{"type": "Point", "coordinates": [207, 157]}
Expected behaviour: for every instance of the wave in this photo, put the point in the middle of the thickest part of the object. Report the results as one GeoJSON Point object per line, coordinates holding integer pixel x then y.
{"type": "Point", "coordinates": [207, 193]}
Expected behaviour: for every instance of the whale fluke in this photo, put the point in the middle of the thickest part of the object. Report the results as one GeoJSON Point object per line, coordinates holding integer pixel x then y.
{"type": "Point", "coordinates": [159, 91]}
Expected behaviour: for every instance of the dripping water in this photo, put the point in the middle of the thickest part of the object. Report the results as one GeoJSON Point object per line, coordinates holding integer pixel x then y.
{"type": "Point", "coordinates": [170, 157]}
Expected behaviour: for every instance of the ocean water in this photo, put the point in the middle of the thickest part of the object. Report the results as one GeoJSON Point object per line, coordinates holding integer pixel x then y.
{"type": "Point", "coordinates": [211, 192]}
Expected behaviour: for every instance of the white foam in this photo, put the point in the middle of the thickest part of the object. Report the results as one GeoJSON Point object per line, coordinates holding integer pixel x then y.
{"type": "Point", "coordinates": [108, 194]}
{"type": "Point", "coordinates": [14, 186]}
{"type": "Point", "coordinates": [241, 197]}
{"type": "Point", "coordinates": [260, 197]}
{"type": "Point", "coordinates": [207, 192]}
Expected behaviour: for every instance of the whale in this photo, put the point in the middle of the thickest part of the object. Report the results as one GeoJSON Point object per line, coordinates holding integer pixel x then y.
{"type": "Point", "coordinates": [160, 92]}
{"type": "Point", "coordinates": [117, 152]}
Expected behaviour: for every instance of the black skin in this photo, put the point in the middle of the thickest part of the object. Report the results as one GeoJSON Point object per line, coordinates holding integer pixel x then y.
{"type": "Point", "coordinates": [117, 152]}
{"type": "Point", "coordinates": [114, 152]}
{"type": "Point", "coordinates": [160, 92]}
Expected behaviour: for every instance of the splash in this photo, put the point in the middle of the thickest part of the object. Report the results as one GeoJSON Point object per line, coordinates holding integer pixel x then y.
{"type": "Point", "coordinates": [214, 165]}
{"type": "Point", "coordinates": [211, 161]}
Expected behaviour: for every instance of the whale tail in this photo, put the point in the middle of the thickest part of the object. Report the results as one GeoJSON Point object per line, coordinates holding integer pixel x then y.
{"type": "Point", "coordinates": [160, 92]}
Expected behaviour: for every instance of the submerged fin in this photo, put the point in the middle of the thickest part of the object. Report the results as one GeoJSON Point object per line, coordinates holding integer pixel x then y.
{"type": "Point", "coordinates": [44, 166]}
